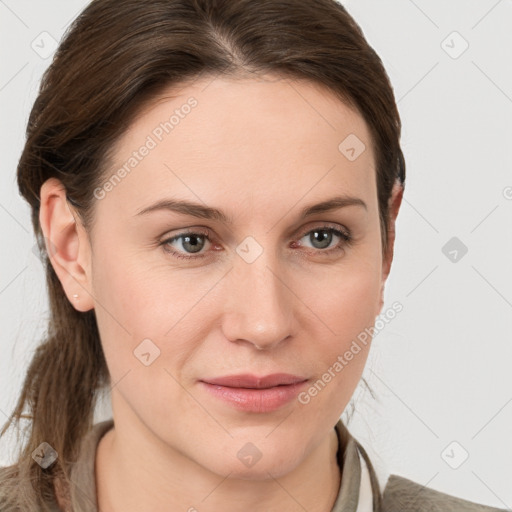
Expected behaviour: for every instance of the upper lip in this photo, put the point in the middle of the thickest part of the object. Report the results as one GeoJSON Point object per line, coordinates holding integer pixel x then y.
{"type": "Point", "coordinates": [255, 381]}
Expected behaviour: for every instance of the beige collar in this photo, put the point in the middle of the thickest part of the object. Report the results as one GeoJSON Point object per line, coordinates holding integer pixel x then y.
{"type": "Point", "coordinates": [359, 490]}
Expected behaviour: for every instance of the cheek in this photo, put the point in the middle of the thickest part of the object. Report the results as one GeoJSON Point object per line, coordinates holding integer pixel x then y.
{"type": "Point", "coordinates": [126, 311]}
{"type": "Point", "coordinates": [143, 351]}
{"type": "Point", "coordinates": [147, 314]}
{"type": "Point", "coordinates": [344, 309]}
{"type": "Point", "coordinates": [345, 300]}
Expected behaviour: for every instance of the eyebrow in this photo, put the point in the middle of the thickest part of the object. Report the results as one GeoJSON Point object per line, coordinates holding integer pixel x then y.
{"type": "Point", "coordinates": [206, 212]}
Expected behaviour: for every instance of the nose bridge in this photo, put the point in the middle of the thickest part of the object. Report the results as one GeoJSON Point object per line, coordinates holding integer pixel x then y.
{"type": "Point", "coordinates": [259, 304]}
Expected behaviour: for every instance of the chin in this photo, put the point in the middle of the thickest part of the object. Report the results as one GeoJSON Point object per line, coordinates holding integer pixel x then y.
{"type": "Point", "coordinates": [251, 463]}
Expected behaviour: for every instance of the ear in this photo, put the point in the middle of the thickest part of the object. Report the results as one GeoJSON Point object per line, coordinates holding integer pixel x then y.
{"type": "Point", "coordinates": [67, 244]}
{"type": "Point", "coordinates": [394, 206]}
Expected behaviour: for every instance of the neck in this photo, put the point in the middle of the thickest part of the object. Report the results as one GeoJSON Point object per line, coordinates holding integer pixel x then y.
{"type": "Point", "coordinates": [138, 474]}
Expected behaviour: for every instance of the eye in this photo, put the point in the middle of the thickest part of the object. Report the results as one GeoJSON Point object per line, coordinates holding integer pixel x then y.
{"type": "Point", "coordinates": [322, 237]}
{"type": "Point", "coordinates": [193, 241]}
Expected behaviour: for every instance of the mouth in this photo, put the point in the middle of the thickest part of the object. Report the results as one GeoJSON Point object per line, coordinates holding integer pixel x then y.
{"type": "Point", "coordinates": [251, 393]}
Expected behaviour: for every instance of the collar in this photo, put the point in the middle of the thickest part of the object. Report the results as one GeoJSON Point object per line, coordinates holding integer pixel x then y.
{"type": "Point", "coordinates": [359, 489]}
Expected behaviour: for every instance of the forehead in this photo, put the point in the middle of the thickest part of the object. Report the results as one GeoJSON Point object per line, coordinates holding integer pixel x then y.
{"type": "Point", "coordinates": [258, 136]}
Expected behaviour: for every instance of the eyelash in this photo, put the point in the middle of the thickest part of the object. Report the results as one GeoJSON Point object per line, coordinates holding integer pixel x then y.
{"type": "Point", "coordinates": [346, 240]}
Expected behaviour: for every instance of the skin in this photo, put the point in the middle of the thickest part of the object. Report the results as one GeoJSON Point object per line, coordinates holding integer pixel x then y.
{"type": "Point", "coordinates": [260, 150]}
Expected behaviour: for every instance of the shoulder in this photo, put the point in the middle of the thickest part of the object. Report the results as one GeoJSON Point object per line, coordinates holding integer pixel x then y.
{"type": "Point", "coordinates": [402, 494]}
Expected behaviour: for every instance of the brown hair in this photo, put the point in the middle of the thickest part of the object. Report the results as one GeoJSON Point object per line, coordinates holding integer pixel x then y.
{"type": "Point", "coordinates": [114, 58]}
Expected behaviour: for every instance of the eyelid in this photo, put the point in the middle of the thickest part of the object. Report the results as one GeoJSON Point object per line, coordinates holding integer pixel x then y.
{"type": "Point", "coordinates": [185, 231]}
{"type": "Point", "coordinates": [326, 225]}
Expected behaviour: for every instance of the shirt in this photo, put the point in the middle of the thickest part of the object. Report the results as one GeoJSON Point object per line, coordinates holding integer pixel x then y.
{"type": "Point", "coordinates": [360, 490]}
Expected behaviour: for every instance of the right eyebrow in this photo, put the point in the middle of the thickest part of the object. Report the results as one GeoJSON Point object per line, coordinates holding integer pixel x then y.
{"type": "Point", "coordinates": [187, 208]}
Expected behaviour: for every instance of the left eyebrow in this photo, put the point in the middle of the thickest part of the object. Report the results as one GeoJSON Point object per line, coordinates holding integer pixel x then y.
{"type": "Point", "coordinates": [332, 204]}
{"type": "Point", "coordinates": [206, 212]}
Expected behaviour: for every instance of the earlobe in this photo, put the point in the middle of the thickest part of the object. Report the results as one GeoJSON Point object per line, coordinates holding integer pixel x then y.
{"type": "Point", "coordinates": [66, 243]}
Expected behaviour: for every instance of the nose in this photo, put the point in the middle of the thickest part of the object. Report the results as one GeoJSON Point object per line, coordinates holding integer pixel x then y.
{"type": "Point", "coordinates": [258, 304]}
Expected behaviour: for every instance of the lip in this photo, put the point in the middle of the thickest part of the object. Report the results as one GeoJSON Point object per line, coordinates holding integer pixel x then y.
{"type": "Point", "coordinates": [252, 393]}
{"type": "Point", "coordinates": [248, 380]}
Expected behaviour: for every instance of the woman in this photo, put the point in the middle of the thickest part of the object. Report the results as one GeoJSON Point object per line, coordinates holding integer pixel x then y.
{"type": "Point", "coordinates": [214, 186]}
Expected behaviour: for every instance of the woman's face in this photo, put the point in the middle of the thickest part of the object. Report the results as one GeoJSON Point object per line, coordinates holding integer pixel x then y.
{"type": "Point", "coordinates": [240, 282]}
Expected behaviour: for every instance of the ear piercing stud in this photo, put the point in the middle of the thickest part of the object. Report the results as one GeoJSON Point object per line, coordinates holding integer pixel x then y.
{"type": "Point", "coordinates": [75, 296]}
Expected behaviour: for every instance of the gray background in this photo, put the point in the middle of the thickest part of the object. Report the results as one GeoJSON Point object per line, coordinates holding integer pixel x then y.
{"type": "Point", "coordinates": [441, 368]}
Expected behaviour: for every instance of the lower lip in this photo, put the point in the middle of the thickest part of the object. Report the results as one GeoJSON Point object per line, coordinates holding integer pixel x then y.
{"type": "Point", "coordinates": [256, 400]}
